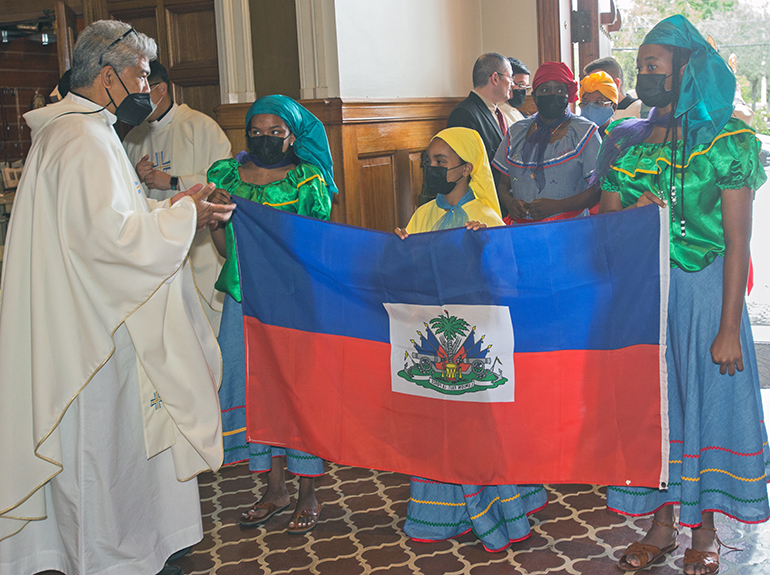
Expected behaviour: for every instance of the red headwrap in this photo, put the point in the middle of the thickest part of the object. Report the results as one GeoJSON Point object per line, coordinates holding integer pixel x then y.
{"type": "Point", "coordinates": [559, 72]}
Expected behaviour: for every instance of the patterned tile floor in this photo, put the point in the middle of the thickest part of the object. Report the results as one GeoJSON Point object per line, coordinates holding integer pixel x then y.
{"type": "Point", "coordinates": [360, 532]}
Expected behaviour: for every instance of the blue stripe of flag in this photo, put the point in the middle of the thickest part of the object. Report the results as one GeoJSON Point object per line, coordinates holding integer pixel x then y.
{"type": "Point", "coordinates": [585, 283]}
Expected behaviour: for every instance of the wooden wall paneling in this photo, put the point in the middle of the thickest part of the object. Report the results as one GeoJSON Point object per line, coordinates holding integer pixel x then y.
{"type": "Point", "coordinates": [548, 32]}
{"type": "Point", "coordinates": [66, 30]}
{"type": "Point", "coordinates": [199, 97]}
{"type": "Point", "coordinates": [378, 192]}
{"type": "Point", "coordinates": [415, 172]}
{"type": "Point", "coordinates": [93, 10]}
{"type": "Point", "coordinates": [339, 205]}
{"type": "Point", "coordinates": [26, 67]}
{"type": "Point", "coordinates": [349, 179]}
{"type": "Point", "coordinates": [275, 47]}
{"type": "Point", "coordinates": [185, 31]}
{"type": "Point", "coordinates": [145, 20]}
{"type": "Point", "coordinates": [192, 54]}
{"type": "Point", "coordinates": [404, 207]}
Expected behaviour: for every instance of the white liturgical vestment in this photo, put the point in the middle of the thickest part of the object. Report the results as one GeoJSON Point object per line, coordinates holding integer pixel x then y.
{"type": "Point", "coordinates": [109, 369]}
{"type": "Point", "coordinates": [185, 143]}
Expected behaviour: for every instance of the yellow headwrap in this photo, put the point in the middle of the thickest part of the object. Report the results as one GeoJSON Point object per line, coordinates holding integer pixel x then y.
{"type": "Point", "coordinates": [468, 145]}
{"type": "Point", "coordinates": [599, 82]}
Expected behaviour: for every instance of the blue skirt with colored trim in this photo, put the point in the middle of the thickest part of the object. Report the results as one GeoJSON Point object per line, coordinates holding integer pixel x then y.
{"type": "Point", "coordinates": [718, 441]}
{"type": "Point", "coordinates": [232, 400]}
{"type": "Point", "coordinates": [497, 514]}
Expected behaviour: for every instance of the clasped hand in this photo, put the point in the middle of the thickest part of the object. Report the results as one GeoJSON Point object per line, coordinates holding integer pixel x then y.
{"type": "Point", "coordinates": [208, 213]}
{"type": "Point", "coordinates": [536, 209]}
{"type": "Point", "coordinates": [152, 178]}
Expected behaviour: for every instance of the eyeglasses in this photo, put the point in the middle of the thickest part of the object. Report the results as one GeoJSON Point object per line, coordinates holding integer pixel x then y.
{"type": "Point", "coordinates": [598, 103]}
{"type": "Point", "coordinates": [107, 49]}
{"type": "Point", "coordinates": [505, 76]}
{"type": "Point", "coordinates": [522, 85]}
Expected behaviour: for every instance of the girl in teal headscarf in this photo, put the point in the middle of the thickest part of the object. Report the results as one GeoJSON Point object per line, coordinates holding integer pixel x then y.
{"type": "Point", "coordinates": [692, 156]}
{"type": "Point", "coordinates": [288, 166]}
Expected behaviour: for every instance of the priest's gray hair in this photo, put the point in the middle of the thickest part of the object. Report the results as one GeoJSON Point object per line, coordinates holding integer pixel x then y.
{"type": "Point", "coordinates": [105, 43]}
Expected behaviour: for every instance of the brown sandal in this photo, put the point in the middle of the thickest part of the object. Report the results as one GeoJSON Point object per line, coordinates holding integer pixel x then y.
{"type": "Point", "coordinates": [312, 514]}
{"type": "Point", "coordinates": [708, 559]}
{"type": "Point", "coordinates": [647, 554]}
{"type": "Point", "coordinates": [248, 520]}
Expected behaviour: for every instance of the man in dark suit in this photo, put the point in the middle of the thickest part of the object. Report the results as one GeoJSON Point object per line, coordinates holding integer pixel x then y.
{"type": "Point", "coordinates": [492, 85]}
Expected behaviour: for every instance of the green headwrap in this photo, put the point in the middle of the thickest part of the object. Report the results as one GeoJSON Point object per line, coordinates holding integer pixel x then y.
{"type": "Point", "coordinates": [708, 85]}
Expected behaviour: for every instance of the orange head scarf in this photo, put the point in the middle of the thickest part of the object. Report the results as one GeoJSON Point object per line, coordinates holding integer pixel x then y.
{"type": "Point", "coordinates": [599, 82]}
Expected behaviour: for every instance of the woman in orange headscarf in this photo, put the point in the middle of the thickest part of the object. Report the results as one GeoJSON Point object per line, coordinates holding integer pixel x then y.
{"type": "Point", "coordinates": [598, 99]}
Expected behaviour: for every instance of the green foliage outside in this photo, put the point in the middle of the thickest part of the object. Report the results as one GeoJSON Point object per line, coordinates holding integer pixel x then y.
{"type": "Point", "coordinates": [736, 26]}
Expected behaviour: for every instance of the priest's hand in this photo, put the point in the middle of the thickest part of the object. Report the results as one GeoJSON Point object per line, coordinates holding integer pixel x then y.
{"type": "Point", "coordinates": [158, 180]}
{"type": "Point", "coordinates": [209, 214]}
{"type": "Point", "coordinates": [402, 233]}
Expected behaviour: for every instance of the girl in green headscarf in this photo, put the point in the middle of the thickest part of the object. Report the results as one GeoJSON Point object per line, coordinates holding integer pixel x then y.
{"type": "Point", "coordinates": [288, 166]}
{"type": "Point", "coordinates": [692, 156]}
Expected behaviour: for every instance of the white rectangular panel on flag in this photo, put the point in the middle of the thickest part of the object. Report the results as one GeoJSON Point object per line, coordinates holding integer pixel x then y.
{"type": "Point", "coordinates": [452, 352]}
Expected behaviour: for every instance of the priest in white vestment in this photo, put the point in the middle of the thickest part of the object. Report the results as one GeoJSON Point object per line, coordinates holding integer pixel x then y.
{"type": "Point", "coordinates": [172, 151]}
{"type": "Point", "coordinates": [109, 368]}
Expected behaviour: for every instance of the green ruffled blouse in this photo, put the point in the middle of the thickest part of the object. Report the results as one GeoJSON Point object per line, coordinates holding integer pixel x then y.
{"type": "Point", "coordinates": [730, 161]}
{"type": "Point", "coordinates": [303, 191]}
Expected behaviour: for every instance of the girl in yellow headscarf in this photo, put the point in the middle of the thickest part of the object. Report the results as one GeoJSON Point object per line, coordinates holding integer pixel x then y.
{"type": "Point", "coordinates": [459, 172]}
{"type": "Point", "coordinates": [460, 176]}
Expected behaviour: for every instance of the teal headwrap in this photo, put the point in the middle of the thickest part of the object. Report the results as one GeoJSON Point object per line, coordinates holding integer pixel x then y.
{"type": "Point", "coordinates": [708, 85]}
{"type": "Point", "coordinates": [311, 144]}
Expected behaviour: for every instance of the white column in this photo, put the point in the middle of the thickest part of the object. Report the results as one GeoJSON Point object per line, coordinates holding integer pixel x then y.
{"type": "Point", "coordinates": [236, 65]}
{"type": "Point", "coordinates": [317, 38]}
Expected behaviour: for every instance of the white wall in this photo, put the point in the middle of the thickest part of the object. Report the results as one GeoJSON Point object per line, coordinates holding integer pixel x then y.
{"type": "Point", "coordinates": [406, 48]}
{"type": "Point", "coordinates": [510, 28]}
{"type": "Point", "coordinates": [359, 49]}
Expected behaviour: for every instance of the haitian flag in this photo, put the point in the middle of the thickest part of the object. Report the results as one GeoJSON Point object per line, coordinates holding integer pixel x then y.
{"type": "Point", "coordinates": [520, 354]}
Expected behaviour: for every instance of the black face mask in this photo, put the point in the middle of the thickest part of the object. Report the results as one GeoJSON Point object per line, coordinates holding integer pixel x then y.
{"type": "Point", "coordinates": [267, 149]}
{"type": "Point", "coordinates": [517, 98]}
{"type": "Point", "coordinates": [651, 89]}
{"type": "Point", "coordinates": [135, 108]}
{"type": "Point", "coordinates": [436, 182]}
{"type": "Point", "coordinates": [551, 106]}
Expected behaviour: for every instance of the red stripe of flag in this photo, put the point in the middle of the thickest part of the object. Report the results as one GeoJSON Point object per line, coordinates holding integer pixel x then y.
{"type": "Point", "coordinates": [331, 396]}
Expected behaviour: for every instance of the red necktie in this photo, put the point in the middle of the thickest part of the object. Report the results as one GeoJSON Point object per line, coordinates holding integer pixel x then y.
{"type": "Point", "coordinates": [501, 121]}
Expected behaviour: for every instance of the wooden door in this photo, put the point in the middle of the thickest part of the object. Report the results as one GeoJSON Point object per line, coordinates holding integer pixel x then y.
{"type": "Point", "coordinates": [66, 33]}
{"type": "Point", "coordinates": [187, 44]}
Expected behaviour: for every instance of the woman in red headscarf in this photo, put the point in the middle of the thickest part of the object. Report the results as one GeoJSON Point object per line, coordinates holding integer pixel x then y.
{"type": "Point", "coordinates": [547, 159]}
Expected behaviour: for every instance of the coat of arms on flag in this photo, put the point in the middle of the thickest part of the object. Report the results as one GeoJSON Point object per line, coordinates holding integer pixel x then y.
{"type": "Point", "coordinates": [462, 352]}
